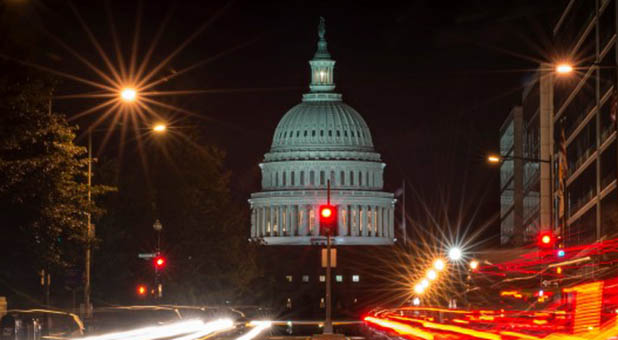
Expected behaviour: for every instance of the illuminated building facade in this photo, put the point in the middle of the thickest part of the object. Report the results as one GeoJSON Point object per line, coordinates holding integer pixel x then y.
{"type": "Point", "coordinates": [578, 106]}
{"type": "Point", "coordinates": [318, 141]}
{"type": "Point", "coordinates": [322, 140]}
{"type": "Point", "coordinates": [586, 33]}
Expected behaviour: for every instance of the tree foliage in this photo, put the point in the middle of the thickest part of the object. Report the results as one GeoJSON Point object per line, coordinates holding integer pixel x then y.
{"type": "Point", "coordinates": [184, 184]}
{"type": "Point", "coordinates": [43, 192]}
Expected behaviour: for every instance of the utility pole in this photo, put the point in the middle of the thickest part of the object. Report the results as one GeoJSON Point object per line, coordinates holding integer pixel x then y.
{"type": "Point", "coordinates": [87, 311]}
{"type": "Point", "coordinates": [403, 214]}
{"type": "Point", "coordinates": [328, 324]}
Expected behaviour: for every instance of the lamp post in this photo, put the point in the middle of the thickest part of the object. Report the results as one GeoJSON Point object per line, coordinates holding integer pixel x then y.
{"type": "Point", "coordinates": [126, 95]}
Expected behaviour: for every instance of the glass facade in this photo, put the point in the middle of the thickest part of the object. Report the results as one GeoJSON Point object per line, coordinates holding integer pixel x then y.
{"type": "Point", "coordinates": [585, 33]}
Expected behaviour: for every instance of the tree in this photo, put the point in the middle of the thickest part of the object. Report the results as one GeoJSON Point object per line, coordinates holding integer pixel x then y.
{"type": "Point", "coordinates": [43, 192]}
{"type": "Point", "coordinates": [204, 236]}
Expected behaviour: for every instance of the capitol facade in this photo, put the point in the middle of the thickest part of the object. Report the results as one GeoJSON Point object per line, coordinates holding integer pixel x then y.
{"type": "Point", "coordinates": [318, 141]}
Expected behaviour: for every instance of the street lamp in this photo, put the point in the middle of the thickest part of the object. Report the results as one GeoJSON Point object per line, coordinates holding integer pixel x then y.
{"type": "Point", "coordinates": [159, 128]}
{"type": "Point", "coordinates": [564, 68]}
{"type": "Point", "coordinates": [438, 264]}
{"type": "Point", "coordinates": [128, 94]}
{"type": "Point", "coordinates": [455, 254]}
{"type": "Point", "coordinates": [474, 264]}
{"type": "Point", "coordinates": [419, 289]}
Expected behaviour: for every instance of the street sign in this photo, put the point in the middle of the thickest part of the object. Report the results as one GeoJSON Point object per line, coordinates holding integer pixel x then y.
{"type": "Point", "coordinates": [333, 257]}
{"type": "Point", "coordinates": [147, 255]}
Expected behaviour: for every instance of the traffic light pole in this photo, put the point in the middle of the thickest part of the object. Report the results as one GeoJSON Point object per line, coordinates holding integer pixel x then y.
{"type": "Point", "coordinates": [328, 323]}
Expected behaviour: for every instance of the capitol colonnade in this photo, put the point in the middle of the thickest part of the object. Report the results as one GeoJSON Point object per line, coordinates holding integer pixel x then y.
{"type": "Point", "coordinates": [301, 220]}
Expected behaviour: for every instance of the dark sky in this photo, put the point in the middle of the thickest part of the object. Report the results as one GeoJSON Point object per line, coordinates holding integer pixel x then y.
{"type": "Point", "coordinates": [434, 80]}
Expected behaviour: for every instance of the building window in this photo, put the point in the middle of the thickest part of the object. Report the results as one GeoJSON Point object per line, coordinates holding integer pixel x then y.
{"type": "Point", "coordinates": [311, 177]}
{"type": "Point", "coordinates": [292, 179]}
{"type": "Point", "coordinates": [288, 303]}
{"type": "Point", "coordinates": [322, 278]}
{"type": "Point", "coordinates": [321, 133]}
{"type": "Point", "coordinates": [338, 134]}
{"type": "Point", "coordinates": [305, 278]}
{"type": "Point", "coordinates": [284, 178]}
{"type": "Point", "coordinates": [330, 133]}
{"type": "Point", "coordinates": [321, 302]}
{"type": "Point", "coordinates": [351, 178]}
{"type": "Point", "coordinates": [276, 179]}
{"type": "Point", "coordinates": [302, 178]}
{"type": "Point", "coordinates": [313, 133]}
{"type": "Point", "coordinates": [360, 179]}
{"type": "Point", "coordinates": [342, 179]}
{"type": "Point", "coordinates": [339, 278]}
{"type": "Point", "coordinates": [322, 177]}
{"type": "Point", "coordinates": [355, 278]}
{"type": "Point", "coordinates": [289, 278]}
{"type": "Point", "coordinates": [332, 177]}
{"type": "Point", "coordinates": [355, 300]}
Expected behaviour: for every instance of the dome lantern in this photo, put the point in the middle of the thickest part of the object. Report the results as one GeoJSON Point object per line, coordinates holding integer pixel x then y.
{"type": "Point", "coordinates": [322, 65]}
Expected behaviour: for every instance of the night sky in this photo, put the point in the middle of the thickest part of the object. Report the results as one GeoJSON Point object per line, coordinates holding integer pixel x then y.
{"type": "Point", "coordinates": [434, 80]}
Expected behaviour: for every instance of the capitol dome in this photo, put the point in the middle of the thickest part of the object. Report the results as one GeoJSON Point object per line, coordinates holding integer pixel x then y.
{"type": "Point", "coordinates": [318, 144]}
{"type": "Point", "coordinates": [322, 124]}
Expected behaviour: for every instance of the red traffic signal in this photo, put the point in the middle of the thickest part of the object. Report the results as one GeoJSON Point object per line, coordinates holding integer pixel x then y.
{"type": "Point", "coordinates": [159, 262]}
{"type": "Point", "coordinates": [142, 290]}
{"type": "Point", "coordinates": [328, 219]}
{"type": "Point", "coordinates": [546, 240]}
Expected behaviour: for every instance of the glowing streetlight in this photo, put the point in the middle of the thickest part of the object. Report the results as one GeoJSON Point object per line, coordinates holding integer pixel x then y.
{"type": "Point", "coordinates": [159, 128]}
{"type": "Point", "coordinates": [494, 159]}
{"type": "Point", "coordinates": [564, 68]}
{"type": "Point", "coordinates": [419, 289]}
{"type": "Point", "coordinates": [438, 264]}
{"type": "Point", "coordinates": [454, 254]}
{"type": "Point", "coordinates": [128, 94]}
{"type": "Point", "coordinates": [474, 264]}
{"type": "Point", "coordinates": [416, 301]}
{"type": "Point", "coordinates": [431, 275]}
{"type": "Point", "coordinates": [425, 283]}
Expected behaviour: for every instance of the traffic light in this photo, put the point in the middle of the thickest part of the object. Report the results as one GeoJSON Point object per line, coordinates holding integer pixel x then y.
{"type": "Point", "coordinates": [142, 290]}
{"type": "Point", "coordinates": [328, 220]}
{"type": "Point", "coordinates": [159, 262]}
{"type": "Point", "coordinates": [546, 240]}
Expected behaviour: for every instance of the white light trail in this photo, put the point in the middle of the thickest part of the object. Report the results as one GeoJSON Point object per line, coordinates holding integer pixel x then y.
{"type": "Point", "coordinates": [152, 332]}
{"type": "Point", "coordinates": [260, 326]}
{"type": "Point", "coordinates": [211, 327]}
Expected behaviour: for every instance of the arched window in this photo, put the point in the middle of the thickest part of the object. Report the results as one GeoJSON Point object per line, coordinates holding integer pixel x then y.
{"type": "Point", "coordinates": [283, 178]}
{"type": "Point", "coordinates": [351, 177]}
{"type": "Point", "coordinates": [338, 134]}
{"type": "Point", "coordinates": [332, 177]}
{"type": "Point", "coordinates": [305, 133]}
{"type": "Point", "coordinates": [276, 179]}
{"type": "Point", "coordinates": [360, 179]}
{"type": "Point", "coordinates": [352, 133]}
{"type": "Point", "coordinates": [292, 179]}
{"type": "Point", "coordinates": [302, 178]}
{"type": "Point", "coordinates": [342, 179]}
{"type": "Point", "coordinates": [313, 133]}
{"type": "Point", "coordinates": [311, 177]}
{"type": "Point", "coordinates": [330, 133]}
{"type": "Point", "coordinates": [322, 179]}
{"type": "Point", "coordinates": [367, 179]}
{"type": "Point", "coordinates": [297, 133]}
{"type": "Point", "coordinates": [321, 133]}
